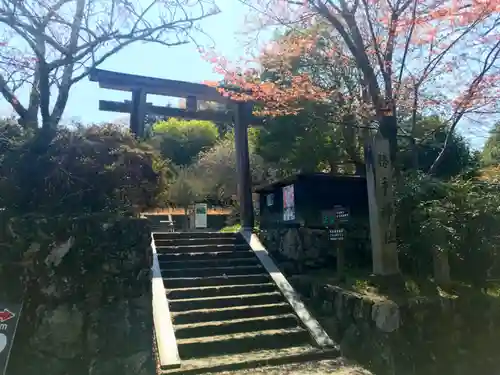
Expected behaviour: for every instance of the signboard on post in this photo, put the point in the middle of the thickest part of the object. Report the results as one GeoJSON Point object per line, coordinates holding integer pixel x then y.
{"type": "Point", "coordinates": [379, 175]}
{"type": "Point", "coordinates": [331, 218]}
{"type": "Point", "coordinates": [336, 234]}
{"type": "Point", "coordinates": [200, 215]}
{"type": "Point", "coordinates": [9, 317]}
{"type": "Point", "coordinates": [288, 203]}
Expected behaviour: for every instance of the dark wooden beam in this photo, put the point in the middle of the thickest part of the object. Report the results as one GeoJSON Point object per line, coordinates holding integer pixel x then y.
{"type": "Point", "coordinates": [159, 86]}
{"type": "Point", "coordinates": [191, 104]}
{"type": "Point", "coordinates": [138, 112]}
{"type": "Point", "coordinates": [242, 114]}
{"type": "Point", "coordinates": [215, 116]}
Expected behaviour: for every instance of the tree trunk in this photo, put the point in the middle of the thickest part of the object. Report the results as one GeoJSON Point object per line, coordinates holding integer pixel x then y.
{"type": "Point", "coordinates": [441, 266]}
{"type": "Point", "coordinates": [415, 131]}
{"type": "Point", "coordinates": [414, 153]}
{"type": "Point", "coordinates": [389, 130]}
{"type": "Point", "coordinates": [333, 166]}
{"type": "Point", "coordinates": [28, 123]}
{"type": "Point", "coordinates": [186, 219]}
{"type": "Point", "coordinates": [360, 169]}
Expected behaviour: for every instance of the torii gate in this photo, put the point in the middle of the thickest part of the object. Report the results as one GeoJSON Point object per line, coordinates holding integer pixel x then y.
{"type": "Point", "coordinates": [240, 114]}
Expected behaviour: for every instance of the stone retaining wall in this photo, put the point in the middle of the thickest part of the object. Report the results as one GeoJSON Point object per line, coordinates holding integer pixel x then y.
{"type": "Point", "coordinates": [420, 337]}
{"type": "Point", "coordinates": [311, 248]}
{"type": "Point", "coordinates": [87, 303]}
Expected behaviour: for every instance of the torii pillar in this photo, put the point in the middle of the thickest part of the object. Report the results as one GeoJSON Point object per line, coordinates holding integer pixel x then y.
{"type": "Point", "coordinates": [242, 115]}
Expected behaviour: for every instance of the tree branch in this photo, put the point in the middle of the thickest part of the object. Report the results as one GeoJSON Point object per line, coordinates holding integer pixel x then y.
{"type": "Point", "coordinates": [490, 59]}
{"type": "Point", "coordinates": [65, 45]}
{"type": "Point", "coordinates": [356, 47]}
{"type": "Point", "coordinates": [62, 97]}
{"type": "Point", "coordinates": [11, 98]}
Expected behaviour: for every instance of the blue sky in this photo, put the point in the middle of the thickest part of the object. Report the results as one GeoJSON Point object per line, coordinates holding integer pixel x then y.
{"type": "Point", "coordinates": [179, 63]}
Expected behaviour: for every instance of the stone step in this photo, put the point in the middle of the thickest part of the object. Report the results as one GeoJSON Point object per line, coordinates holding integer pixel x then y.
{"type": "Point", "coordinates": [242, 342]}
{"type": "Point", "coordinates": [236, 326]}
{"type": "Point", "coordinates": [253, 359]}
{"type": "Point", "coordinates": [199, 241]}
{"type": "Point", "coordinates": [241, 312]}
{"type": "Point", "coordinates": [175, 235]}
{"type": "Point", "coordinates": [162, 227]}
{"type": "Point", "coordinates": [189, 282]}
{"type": "Point", "coordinates": [224, 290]}
{"type": "Point", "coordinates": [215, 262]}
{"type": "Point", "coordinates": [213, 271]}
{"type": "Point", "coordinates": [160, 248]}
{"type": "Point", "coordinates": [193, 304]}
{"type": "Point", "coordinates": [165, 257]}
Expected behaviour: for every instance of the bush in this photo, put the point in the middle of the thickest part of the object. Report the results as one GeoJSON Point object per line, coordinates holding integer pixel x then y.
{"type": "Point", "coordinates": [87, 170]}
{"type": "Point", "coordinates": [218, 167]}
{"type": "Point", "coordinates": [460, 217]}
{"type": "Point", "coordinates": [181, 140]}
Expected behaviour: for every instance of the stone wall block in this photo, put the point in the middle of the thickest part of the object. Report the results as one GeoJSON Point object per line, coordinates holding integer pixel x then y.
{"type": "Point", "coordinates": [87, 302]}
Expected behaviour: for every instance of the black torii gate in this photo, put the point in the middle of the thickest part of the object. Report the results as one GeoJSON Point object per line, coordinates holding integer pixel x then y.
{"type": "Point", "coordinates": [240, 114]}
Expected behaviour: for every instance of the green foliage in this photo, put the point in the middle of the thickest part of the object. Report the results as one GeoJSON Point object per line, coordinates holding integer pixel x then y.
{"type": "Point", "coordinates": [11, 136]}
{"type": "Point", "coordinates": [431, 137]}
{"type": "Point", "coordinates": [310, 141]}
{"type": "Point", "coordinates": [231, 229]}
{"type": "Point", "coordinates": [218, 168]}
{"type": "Point", "coordinates": [461, 216]}
{"type": "Point", "coordinates": [187, 187]}
{"type": "Point", "coordinates": [320, 137]}
{"type": "Point", "coordinates": [491, 151]}
{"type": "Point", "coordinates": [236, 228]}
{"type": "Point", "coordinates": [86, 170]}
{"type": "Point", "coordinates": [181, 141]}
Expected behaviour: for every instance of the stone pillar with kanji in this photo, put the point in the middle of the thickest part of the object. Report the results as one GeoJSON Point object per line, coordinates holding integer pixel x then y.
{"type": "Point", "coordinates": [380, 180]}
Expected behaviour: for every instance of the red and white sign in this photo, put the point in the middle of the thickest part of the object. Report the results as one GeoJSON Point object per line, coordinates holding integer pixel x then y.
{"type": "Point", "coordinates": [3, 342]}
{"type": "Point", "coordinates": [6, 315]}
{"type": "Point", "coordinates": [9, 318]}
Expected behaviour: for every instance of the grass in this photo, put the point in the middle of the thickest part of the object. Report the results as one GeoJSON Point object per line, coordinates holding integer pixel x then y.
{"type": "Point", "coordinates": [494, 289]}
{"type": "Point", "coordinates": [397, 288]}
{"type": "Point", "coordinates": [231, 229]}
{"type": "Point", "coordinates": [236, 228]}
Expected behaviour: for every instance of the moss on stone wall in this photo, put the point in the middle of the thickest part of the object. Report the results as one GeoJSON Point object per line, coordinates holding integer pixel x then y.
{"type": "Point", "coordinates": [419, 336]}
{"type": "Point", "coordinates": [71, 249]}
{"type": "Point", "coordinates": [87, 303]}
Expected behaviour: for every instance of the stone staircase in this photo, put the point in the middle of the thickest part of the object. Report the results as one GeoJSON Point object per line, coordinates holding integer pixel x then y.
{"type": "Point", "coordinates": [227, 312]}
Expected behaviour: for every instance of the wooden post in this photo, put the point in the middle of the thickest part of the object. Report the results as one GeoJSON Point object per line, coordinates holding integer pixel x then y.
{"type": "Point", "coordinates": [340, 255]}
{"type": "Point", "coordinates": [191, 104]}
{"type": "Point", "coordinates": [241, 116]}
{"type": "Point", "coordinates": [138, 112]}
{"type": "Point", "coordinates": [379, 177]}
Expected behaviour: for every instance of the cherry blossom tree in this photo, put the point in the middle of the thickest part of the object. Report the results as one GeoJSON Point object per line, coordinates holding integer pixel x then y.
{"type": "Point", "coordinates": [413, 57]}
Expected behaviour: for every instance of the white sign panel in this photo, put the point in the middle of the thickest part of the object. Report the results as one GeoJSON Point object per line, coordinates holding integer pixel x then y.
{"type": "Point", "coordinates": [270, 199]}
{"type": "Point", "coordinates": [288, 203]}
{"type": "Point", "coordinates": [200, 215]}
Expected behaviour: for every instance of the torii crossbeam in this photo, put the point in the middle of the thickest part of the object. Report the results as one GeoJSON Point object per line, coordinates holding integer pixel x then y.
{"type": "Point", "coordinates": [140, 86]}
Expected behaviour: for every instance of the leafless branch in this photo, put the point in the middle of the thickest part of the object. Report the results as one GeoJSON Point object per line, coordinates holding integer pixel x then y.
{"type": "Point", "coordinates": [64, 39]}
